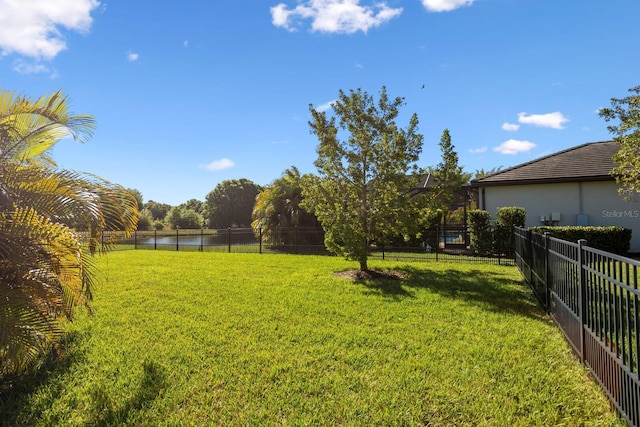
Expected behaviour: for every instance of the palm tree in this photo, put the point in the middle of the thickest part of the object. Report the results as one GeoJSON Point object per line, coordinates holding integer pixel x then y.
{"type": "Point", "coordinates": [278, 206]}
{"type": "Point", "coordinates": [46, 267]}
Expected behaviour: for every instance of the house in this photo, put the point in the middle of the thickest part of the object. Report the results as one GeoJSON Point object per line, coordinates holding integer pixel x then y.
{"type": "Point", "coordinates": [570, 187]}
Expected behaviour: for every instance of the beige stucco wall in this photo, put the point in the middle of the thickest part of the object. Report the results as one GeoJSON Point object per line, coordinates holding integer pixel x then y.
{"type": "Point", "coordinates": [598, 200]}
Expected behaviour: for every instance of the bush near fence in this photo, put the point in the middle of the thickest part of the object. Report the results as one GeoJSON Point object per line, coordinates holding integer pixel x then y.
{"type": "Point", "coordinates": [609, 239]}
{"type": "Point", "coordinates": [481, 231]}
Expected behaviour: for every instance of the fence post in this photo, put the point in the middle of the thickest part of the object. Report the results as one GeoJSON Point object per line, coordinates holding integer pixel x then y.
{"type": "Point", "coordinates": [177, 238]}
{"type": "Point", "coordinates": [201, 239]}
{"type": "Point", "coordinates": [295, 237]}
{"type": "Point", "coordinates": [437, 241]}
{"type": "Point", "coordinates": [582, 295]}
{"type": "Point", "coordinates": [155, 239]}
{"type": "Point", "coordinates": [530, 260]}
{"type": "Point", "coordinates": [135, 239]}
{"type": "Point", "coordinates": [229, 239]}
{"type": "Point", "coordinates": [547, 284]}
{"type": "Point", "coordinates": [260, 233]}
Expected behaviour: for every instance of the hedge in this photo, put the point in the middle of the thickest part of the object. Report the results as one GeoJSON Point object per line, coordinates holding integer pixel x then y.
{"type": "Point", "coordinates": [610, 238]}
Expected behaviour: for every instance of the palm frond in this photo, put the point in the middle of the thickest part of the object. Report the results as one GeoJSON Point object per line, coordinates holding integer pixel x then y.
{"type": "Point", "coordinates": [32, 127]}
{"type": "Point", "coordinates": [46, 268]}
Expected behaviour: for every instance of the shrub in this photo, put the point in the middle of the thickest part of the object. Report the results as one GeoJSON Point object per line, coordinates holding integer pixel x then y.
{"type": "Point", "coordinates": [610, 238]}
{"type": "Point", "coordinates": [506, 219]}
{"type": "Point", "coordinates": [481, 231]}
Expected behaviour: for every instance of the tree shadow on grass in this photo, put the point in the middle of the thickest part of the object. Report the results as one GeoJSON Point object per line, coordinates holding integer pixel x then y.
{"type": "Point", "coordinates": [16, 389]}
{"type": "Point", "coordinates": [17, 406]}
{"type": "Point", "coordinates": [106, 413]}
{"type": "Point", "coordinates": [490, 290]}
{"type": "Point", "coordinates": [380, 282]}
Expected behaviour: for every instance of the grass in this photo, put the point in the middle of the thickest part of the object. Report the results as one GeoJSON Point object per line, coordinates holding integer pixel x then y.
{"type": "Point", "coordinates": [190, 338]}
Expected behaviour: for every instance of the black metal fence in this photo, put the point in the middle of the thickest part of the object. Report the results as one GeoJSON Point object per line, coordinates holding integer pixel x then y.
{"type": "Point", "coordinates": [442, 244]}
{"type": "Point", "coordinates": [287, 240]}
{"type": "Point", "coordinates": [594, 297]}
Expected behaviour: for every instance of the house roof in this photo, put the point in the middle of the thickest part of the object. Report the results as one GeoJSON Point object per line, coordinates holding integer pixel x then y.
{"type": "Point", "coordinates": [427, 184]}
{"type": "Point", "coordinates": [588, 162]}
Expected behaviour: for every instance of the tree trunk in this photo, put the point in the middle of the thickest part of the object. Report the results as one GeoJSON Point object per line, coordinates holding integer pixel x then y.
{"type": "Point", "coordinates": [364, 254]}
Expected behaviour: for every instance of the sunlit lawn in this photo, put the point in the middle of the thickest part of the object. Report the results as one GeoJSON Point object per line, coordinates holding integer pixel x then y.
{"type": "Point", "coordinates": [190, 338]}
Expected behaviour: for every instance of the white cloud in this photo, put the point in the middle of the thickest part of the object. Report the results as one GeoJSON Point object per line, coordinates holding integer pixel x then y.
{"type": "Point", "coordinates": [132, 56]}
{"type": "Point", "coordinates": [333, 16]}
{"type": "Point", "coordinates": [326, 106]}
{"type": "Point", "coordinates": [510, 127]}
{"type": "Point", "coordinates": [478, 150]}
{"type": "Point", "coordinates": [27, 68]}
{"type": "Point", "coordinates": [549, 120]}
{"type": "Point", "coordinates": [33, 28]}
{"type": "Point", "coordinates": [218, 165]}
{"type": "Point", "coordinates": [445, 5]}
{"type": "Point", "coordinates": [514, 146]}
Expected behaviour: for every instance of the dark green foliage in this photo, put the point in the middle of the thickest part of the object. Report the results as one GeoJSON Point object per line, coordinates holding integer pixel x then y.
{"type": "Point", "coordinates": [278, 207]}
{"type": "Point", "coordinates": [158, 210]}
{"type": "Point", "coordinates": [449, 175]}
{"type": "Point", "coordinates": [230, 204]}
{"type": "Point", "coordinates": [145, 220]}
{"type": "Point", "coordinates": [511, 216]}
{"type": "Point", "coordinates": [627, 112]}
{"type": "Point", "coordinates": [431, 235]}
{"type": "Point", "coordinates": [181, 217]}
{"type": "Point", "coordinates": [506, 219]}
{"type": "Point", "coordinates": [481, 231]}
{"type": "Point", "coordinates": [195, 205]}
{"type": "Point", "coordinates": [610, 238]}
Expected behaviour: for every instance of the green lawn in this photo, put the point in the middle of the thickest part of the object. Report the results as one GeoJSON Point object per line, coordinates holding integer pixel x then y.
{"type": "Point", "coordinates": [190, 338]}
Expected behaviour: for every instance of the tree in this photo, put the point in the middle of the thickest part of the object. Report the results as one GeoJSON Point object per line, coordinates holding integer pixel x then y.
{"type": "Point", "coordinates": [230, 204]}
{"type": "Point", "coordinates": [362, 191]}
{"type": "Point", "coordinates": [145, 220]}
{"type": "Point", "coordinates": [278, 205]}
{"type": "Point", "coordinates": [158, 210]}
{"type": "Point", "coordinates": [449, 175]}
{"type": "Point", "coordinates": [46, 270]}
{"type": "Point", "coordinates": [480, 173]}
{"type": "Point", "coordinates": [184, 218]}
{"type": "Point", "coordinates": [195, 205]}
{"type": "Point", "coordinates": [627, 170]}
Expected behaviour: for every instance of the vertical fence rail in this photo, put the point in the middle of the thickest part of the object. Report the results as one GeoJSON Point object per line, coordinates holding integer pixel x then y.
{"type": "Point", "coordinates": [299, 240]}
{"type": "Point", "coordinates": [593, 296]}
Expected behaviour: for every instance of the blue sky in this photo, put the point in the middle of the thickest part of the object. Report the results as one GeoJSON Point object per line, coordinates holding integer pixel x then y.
{"type": "Point", "coordinates": [187, 94]}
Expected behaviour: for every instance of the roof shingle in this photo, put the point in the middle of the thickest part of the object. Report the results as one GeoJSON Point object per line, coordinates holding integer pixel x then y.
{"type": "Point", "coordinates": [588, 162]}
